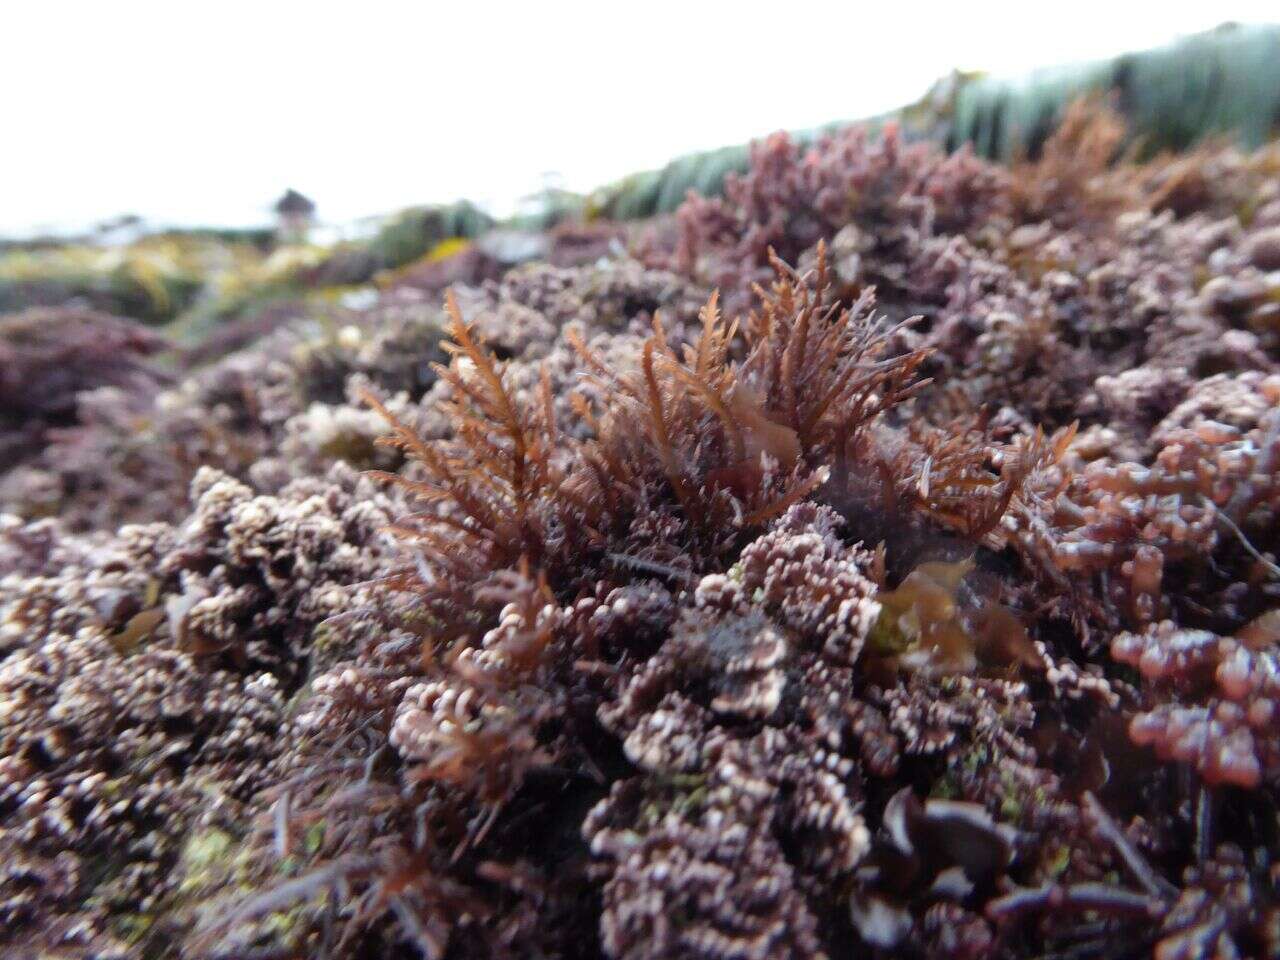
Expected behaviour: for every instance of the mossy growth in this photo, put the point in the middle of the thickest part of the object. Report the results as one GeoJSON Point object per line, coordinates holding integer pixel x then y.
{"type": "Point", "coordinates": [218, 868]}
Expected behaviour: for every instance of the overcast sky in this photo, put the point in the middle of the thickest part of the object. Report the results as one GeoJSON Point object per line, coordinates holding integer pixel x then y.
{"type": "Point", "coordinates": [202, 113]}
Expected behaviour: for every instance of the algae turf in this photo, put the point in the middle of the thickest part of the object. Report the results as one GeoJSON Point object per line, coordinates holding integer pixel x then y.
{"type": "Point", "coordinates": [879, 558]}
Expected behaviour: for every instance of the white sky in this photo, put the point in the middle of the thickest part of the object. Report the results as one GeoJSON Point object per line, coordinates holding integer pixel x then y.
{"type": "Point", "coordinates": [204, 112]}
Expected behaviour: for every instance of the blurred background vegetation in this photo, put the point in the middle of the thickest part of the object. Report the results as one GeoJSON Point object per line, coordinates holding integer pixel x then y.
{"type": "Point", "coordinates": [1223, 83]}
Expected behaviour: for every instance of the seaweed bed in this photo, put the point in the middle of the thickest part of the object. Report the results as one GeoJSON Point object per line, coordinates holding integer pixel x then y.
{"type": "Point", "coordinates": [879, 559]}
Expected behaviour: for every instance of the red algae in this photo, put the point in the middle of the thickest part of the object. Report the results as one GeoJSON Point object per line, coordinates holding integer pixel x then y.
{"type": "Point", "coordinates": [881, 558]}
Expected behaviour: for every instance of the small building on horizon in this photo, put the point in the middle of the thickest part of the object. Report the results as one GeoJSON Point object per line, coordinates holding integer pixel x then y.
{"type": "Point", "coordinates": [295, 213]}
